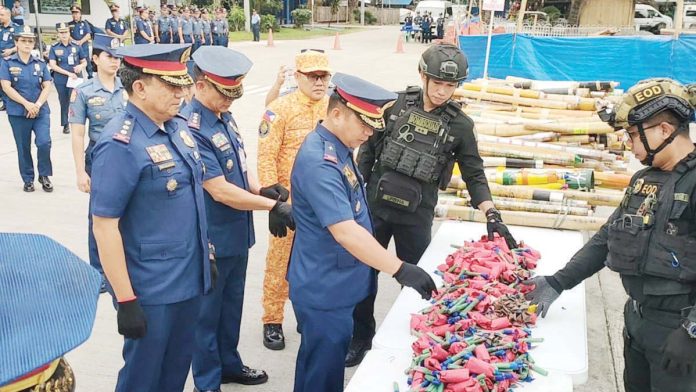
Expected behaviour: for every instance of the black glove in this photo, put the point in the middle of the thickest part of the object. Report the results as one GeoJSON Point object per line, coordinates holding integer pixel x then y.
{"type": "Point", "coordinates": [543, 294]}
{"type": "Point", "coordinates": [495, 225]}
{"type": "Point", "coordinates": [413, 276]}
{"type": "Point", "coordinates": [679, 353]}
{"type": "Point", "coordinates": [280, 219]}
{"type": "Point", "coordinates": [131, 319]}
{"type": "Point", "coordinates": [275, 192]}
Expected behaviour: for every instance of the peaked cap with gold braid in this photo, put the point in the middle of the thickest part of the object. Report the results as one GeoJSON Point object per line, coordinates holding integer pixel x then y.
{"type": "Point", "coordinates": [368, 100]}
{"type": "Point", "coordinates": [168, 61]}
{"type": "Point", "coordinates": [224, 68]}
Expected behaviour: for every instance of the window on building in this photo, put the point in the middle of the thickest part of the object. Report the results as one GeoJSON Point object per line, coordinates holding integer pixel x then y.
{"type": "Point", "coordinates": [60, 7]}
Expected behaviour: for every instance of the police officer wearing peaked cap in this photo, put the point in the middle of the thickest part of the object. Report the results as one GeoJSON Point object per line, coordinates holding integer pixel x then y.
{"type": "Point", "coordinates": [66, 60]}
{"type": "Point", "coordinates": [149, 217]}
{"type": "Point", "coordinates": [116, 26]}
{"type": "Point", "coordinates": [650, 240]}
{"type": "Point", "coordinates": [334, 249]}
{"type": "Point", "coordinates": [99, 100]}
{"type": "Point", "coordinates": [26, 82]}
{"type": "Point", "coordinates": [231, 193]}
{"type": "Point", "coordinates": [81, 32]}
{"type": "Point", "coordinates": [426, 133]}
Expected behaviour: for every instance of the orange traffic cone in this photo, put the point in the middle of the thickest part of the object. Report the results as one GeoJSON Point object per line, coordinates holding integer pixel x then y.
{"type": "Point", "coordinates": [270, 38]}
{"type": "Point", "coordinates": [337, 42]}
{"type": "Point", "coordinates": [400, 44]}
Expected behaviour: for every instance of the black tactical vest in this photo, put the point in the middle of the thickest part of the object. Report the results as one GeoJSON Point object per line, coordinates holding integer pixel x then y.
{"type": "Point", "coordinates": [418, 144]}
{"type": "Point", "coordinates": [652, 236]}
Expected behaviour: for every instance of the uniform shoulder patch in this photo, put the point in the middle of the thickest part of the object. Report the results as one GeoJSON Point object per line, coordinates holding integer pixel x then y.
{"type": "Point", "coordinates": [124, 134]}
{"type": "Point", "coordinates": [265, 127]}
{"type": "Point", "coordinates": [194, 120]}
{"type": "Point", "coordinates": [330, 152]}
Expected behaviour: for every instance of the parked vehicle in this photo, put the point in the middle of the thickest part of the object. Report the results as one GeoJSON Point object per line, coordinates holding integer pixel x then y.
{"type": "Point", "coordinates": [435, 7]}
{"type": "Point", "coordinates": [648, 18]}
{"type": "Point", "coordinates": [690, 16]}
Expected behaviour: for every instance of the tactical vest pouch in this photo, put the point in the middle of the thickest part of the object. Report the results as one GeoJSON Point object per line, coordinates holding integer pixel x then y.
{"type": "Point", "coordinates": [399, 191]}
{"type": "Point", "coordinates": [626, 243]}
{"type": "Point", "coordinates": [673, 257]}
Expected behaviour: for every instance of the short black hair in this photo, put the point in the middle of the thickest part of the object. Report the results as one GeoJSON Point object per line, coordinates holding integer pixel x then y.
{"type": "Point", "coordinates": [130, 75]}
{"type": "Point", "coordinates": [197, 74]}
{"type": "Point", "coordinates": [668, 116]}
{"type": "Point", "coordinates": [335, 101]}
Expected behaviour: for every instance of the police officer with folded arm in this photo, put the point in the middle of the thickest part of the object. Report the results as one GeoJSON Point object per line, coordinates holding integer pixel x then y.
{"type": "Point", "coordinates": [150, 222]}
{"type": "Point", "coordinates": [650, 240]}
{"type": "Point", "coordinates": [231, 193]}
{"type": "Point", "coordinates": [426, 133]}
{"type": "Point", "coordinates": [66, 61]}
{"type": "Point", "coordinates": [334, 248]}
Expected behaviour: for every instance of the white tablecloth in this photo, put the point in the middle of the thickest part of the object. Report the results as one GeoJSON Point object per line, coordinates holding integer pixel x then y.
{"type": "Point", "coordinates": [564, 350]}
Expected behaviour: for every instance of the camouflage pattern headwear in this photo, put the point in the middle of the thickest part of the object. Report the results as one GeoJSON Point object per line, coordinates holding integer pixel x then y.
{"type": "Point", "coordinates": [312, 60]}
{"type": "Point", "coordinates": [649, 98]}
{"type": "Point", "coordinates": [644, 101]}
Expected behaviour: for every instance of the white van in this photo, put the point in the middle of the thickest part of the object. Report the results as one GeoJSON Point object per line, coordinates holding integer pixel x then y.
{"type": "Point", "coordinates": [435, 7]}
{"type": "Point", "coordinates": [647, 18]}
{"type": "Point", "coordinates": [690, 16]}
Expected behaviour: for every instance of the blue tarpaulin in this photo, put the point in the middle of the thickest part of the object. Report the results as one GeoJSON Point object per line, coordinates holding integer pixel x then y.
{"type": "Point", "coordinates": [624, 59]}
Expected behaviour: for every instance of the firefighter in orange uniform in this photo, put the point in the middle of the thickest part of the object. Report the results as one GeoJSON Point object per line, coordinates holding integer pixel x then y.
{"type": "Point", "coordinates": [285, 124]}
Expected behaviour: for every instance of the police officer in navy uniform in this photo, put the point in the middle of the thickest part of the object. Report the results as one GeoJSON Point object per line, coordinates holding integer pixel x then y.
{"type": "Point", "coordinates": [149, 220]}
{"type": "Point", "coordinates": [197, 30]}
{"type": "Point", "coordinates": [143, 29]}
{"type": "Point", "coordinates": [81, 33]}
{"type": "Point", "coordinates": [649, 240]}
{"type": "Point", "coordinates": [116, 26]}
{"type": "Point", "coordinates": [175, 17]}
{"type": "Point", "coordinates": [66, 61]}
{"type": "Point", "coordinates": [334, 248]}
{"type": "Point", "coordinates": [207, 28]}
{"type": "Point", "coordinates": [186, 27]}
{"type": "Point", "coordinates": [7, 42]}
{"type": "Point", "coordinates": [404, 166]}
{"type": "Point", "coordinates": [163, 28]}
{"type": "Point", "coordinates": [99, 100]}
{"type": "Point", "coordinates": [26, 82]}
{"type": "Point", "coordinates": [231, 193]}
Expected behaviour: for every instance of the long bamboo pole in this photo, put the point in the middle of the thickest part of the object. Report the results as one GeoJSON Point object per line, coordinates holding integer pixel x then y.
{"type": "Point", "coordinates": [524, 218]}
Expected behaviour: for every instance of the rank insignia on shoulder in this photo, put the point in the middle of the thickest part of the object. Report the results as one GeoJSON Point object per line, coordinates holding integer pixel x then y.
{"type": "Point", "coordinates": [124, 134]}
{"type": "Point", "coordinates": [188, 140]}
{"type": "Point", "coordinates": [330, 152]}
{"type": "Point", "coordinates": [195, 121]}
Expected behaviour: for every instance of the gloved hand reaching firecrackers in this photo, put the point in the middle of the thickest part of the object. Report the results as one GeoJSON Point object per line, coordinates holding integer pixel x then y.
{"type": "Point", "coordinates": [415, 277]}
{"type": "Point", "coordinates": [494, 224]}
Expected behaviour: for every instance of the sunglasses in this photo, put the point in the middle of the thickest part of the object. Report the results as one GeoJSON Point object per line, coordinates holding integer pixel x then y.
{"type": "Point", "coordinates": [312, 50]}
{"type": "Point", "coordinates": [313, 77]}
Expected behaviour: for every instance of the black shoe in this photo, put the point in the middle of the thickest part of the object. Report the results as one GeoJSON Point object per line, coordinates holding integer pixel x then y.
{"type": "Point", "coordinates": [45, 184]}
{"type": "Point", "coordinates": [247, 377]}
{"type": "Point", "coordinates": [28, 187]}
{"type": "Point", "coordinates": [66, 129]}
{"type": "Point", "coordinates": [356, 352]}
{"type": "Point", "coordinates": [206, 390]}
{"type": "Point", "coordinates": [273, 337]}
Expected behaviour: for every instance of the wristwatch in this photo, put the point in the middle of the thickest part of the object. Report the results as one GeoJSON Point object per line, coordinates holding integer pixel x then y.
{"type": "Point", "coordinates": [690, 327]}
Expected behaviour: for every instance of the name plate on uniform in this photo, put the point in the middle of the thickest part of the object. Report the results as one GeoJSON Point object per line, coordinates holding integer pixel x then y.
{"type": "Point", "coordinates": [423, 124]}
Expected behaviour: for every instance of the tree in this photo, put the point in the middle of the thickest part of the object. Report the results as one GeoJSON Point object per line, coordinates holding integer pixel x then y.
{"type": "Point", "coordinates": [351, 6]}
{"type": "Point", "coordinates": [334, 8]}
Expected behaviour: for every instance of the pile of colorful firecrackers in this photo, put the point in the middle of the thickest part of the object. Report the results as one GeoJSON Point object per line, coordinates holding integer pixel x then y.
{"type": "Point", "coordinates": [475, 336]}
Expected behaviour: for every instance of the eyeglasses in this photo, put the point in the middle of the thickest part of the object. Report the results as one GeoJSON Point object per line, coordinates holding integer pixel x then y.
{"type": "Point", "coordinates": [314, 77]}
{"type": "Point", "coordinates": [312, 50]}
{"type": "Point", "coordinates": [627, 136]}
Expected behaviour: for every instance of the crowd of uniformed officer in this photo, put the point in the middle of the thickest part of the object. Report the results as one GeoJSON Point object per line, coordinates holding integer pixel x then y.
{"type": "Point", "coordinates": [189, 254]}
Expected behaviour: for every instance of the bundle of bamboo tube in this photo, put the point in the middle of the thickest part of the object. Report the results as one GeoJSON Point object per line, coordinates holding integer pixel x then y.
{"type": "Point", "coordinates": [550, 161]}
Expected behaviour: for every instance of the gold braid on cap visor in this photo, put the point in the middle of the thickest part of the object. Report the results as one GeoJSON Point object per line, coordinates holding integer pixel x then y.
{"type": "Point", "coordinates": [233, 92]}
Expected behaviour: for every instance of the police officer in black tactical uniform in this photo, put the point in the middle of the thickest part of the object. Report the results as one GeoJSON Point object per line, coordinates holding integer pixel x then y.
{"type": "Point", "coordinates": [403, 167]}
{"type": "Point", "coordinates": [650, 240]}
